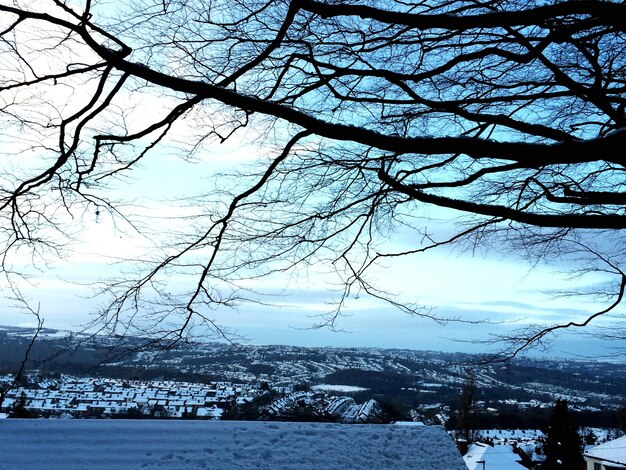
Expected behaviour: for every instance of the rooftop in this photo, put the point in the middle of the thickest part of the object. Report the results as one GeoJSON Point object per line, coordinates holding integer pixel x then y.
{"type": "Point", "coordinates": [222, 445]}
{"type": "Point", "coordinates": [500, 457]}
{"type": "Point", "coordinates": [612, 451]}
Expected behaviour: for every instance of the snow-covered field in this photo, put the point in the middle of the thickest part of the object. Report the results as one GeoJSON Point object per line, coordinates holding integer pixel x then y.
{"type": "Point", "coordinates": [221, 445]}
{"type": "Point", "coordinates": [337, 388]}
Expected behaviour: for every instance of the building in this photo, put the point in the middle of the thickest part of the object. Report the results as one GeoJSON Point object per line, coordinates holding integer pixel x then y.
{"type": "Point", "coordinates": [608, 456]}
{"type": "Point", "coordinates": [481, 456]}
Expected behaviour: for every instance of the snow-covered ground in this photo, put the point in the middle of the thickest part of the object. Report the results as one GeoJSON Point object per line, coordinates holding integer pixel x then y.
{"type": "Point", "coordinates": [503, 436]}
{"type": "Point", "coordinates": [337, 388]}
{"type": "Point", "coordinates": [222, 445]}
{"type": "Point", "coordinates": [601, 434]}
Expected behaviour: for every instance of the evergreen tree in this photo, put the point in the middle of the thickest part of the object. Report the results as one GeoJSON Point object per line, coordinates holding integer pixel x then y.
{"type": "Point", "coordinates": [19, 410]}
{"type": "Point", "coordinates": [563, 447]}
{"type": "Point", "coordinates": [467, 419]}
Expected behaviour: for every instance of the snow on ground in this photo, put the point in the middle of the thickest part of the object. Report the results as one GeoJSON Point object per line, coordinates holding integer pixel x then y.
{"type": "Point", "coordinates": [222, 445]}
{"type": "Point", "coordinates": [601, 434]}
{"type": "Point", "coordinates": [337, 388]}
{"type": "Point", "coordinates": [519, 435]}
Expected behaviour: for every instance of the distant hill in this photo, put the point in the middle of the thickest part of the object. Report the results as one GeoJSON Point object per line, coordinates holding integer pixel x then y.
{"type": "Point", "coordinates": [406, 379]}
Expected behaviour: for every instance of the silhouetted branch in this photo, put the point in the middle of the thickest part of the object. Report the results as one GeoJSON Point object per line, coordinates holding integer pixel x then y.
{"type": "Point", "coordinates": [509, 115]}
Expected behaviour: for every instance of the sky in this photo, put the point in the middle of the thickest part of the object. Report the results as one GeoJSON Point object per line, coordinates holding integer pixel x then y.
{"type": "Point", "coordinates": [487, 285]}
{"type": "Point", "coordinates": [481, 286]}
{"type": "Point", "coordinates": [505, 292]}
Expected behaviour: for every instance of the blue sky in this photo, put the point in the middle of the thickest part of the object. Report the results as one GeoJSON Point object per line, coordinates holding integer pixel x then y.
{"type": "Point", "coordinates": [474, 286]}
{"type": "Point", "coordinates": [488, 286]}
{"type": "Point", "coordinates": [485, 285]}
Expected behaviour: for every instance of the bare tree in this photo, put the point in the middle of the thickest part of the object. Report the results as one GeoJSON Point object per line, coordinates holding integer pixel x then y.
{"type": "Point", "coordinates": [509, 115]}
{"type": "Point", "coordinates": [20, 372]}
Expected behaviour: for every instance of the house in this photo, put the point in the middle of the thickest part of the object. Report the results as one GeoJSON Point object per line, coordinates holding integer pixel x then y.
{"type": "Point", "coordinates": [222, 445]}
{"type": "Point", "coordinates": [481, 456]}
{"type": "Point", "coordinates": [608, 456]}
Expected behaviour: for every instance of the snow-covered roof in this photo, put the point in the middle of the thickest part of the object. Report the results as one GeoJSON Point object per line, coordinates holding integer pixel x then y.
{"type": "Point", "coordinates": [223, 445]}
{"type": "Point", "coordinates": [612, 451]}
{"type": "Point", "coordinates": [500, 457]}
{"type": "Point", "coordinates": [214, 412]}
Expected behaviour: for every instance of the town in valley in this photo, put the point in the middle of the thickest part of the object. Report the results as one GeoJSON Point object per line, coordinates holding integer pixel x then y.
{"type": "Point", "coordinates": [73, 376]}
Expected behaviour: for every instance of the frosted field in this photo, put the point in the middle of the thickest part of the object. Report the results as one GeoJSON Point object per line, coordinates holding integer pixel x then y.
{"type": "Point", "coordinates": [338, 388]}
{"type": "Point", "coordinates": [221, 445]}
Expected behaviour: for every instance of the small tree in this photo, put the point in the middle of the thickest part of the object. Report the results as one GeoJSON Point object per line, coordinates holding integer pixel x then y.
{"type": "Point", "coordinates": [563, 447]}
{"type": "Point", "coordinates": [19, 409]}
